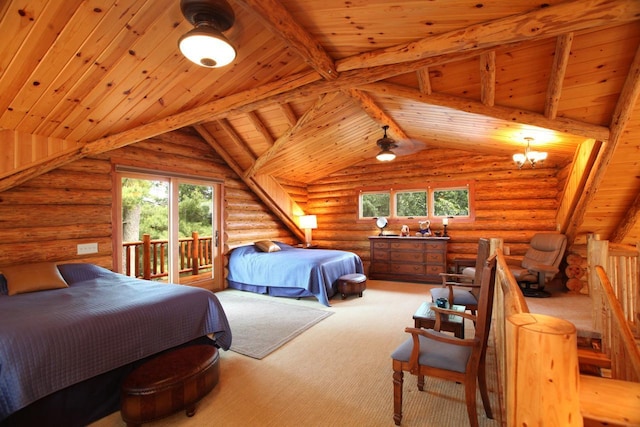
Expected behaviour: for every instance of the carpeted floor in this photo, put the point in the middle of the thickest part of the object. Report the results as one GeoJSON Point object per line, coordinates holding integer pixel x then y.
{"type": "Point", "coordinates": [337, 373]}
{"type": "Point", "coordinates": [270, 325]}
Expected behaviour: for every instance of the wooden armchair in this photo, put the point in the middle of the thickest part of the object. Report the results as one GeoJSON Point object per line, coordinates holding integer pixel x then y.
{"type": "Point", "coordinates": [464, 289]}
{"type": "Point", "coordinates": [431, 352]}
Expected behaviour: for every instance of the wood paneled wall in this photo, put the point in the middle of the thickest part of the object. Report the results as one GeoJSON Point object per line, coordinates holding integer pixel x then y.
{"type": "Point", "coordinates": [46, 218]}
{"type": "Point", "coordinates": [510, 204]}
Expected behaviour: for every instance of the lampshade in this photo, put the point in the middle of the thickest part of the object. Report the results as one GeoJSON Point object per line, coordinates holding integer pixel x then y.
{"type": "Point", "coordinates": [386, 156]}
{"type": "Point", "coordinates": [207, 47]}
{"type": "Point", "coordinates": [529, 155]}
{"type": "Point", "coordinates": [308, 221]}
{"type": "Point", "coordinates": [204, 44]}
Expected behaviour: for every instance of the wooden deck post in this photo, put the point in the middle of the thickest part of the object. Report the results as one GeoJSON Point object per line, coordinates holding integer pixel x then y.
{"type": "Point", "coordinates": [146, 256]}
{"type": "Point", "coordinates": [195, 253]}
{"type": "Point", "coordinates": [542, 371]}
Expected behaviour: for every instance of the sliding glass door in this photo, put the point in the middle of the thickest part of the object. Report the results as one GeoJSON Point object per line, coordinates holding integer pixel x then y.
{"type": "Point", "coordinates": [170, 228]}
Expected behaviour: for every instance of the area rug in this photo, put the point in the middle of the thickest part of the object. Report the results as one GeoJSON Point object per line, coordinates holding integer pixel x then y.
{"type": "Point", "coordinates": [259, 326]}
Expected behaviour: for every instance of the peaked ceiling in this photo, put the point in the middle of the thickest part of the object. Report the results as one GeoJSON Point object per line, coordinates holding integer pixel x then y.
{"type": "Point", "coordinates": [314, 81]}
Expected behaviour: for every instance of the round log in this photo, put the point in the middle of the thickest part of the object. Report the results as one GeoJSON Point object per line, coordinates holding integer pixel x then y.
{"type": "Point", "coordinates": [542, 371]}
{"type": "Point", "coordinates": [575, 284]}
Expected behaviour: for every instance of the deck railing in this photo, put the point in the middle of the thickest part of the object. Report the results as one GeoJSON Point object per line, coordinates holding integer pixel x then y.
{"type": "Point", "coordinates": [149, 259]}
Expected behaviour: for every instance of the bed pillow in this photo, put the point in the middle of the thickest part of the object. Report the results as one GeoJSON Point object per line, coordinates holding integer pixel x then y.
{"type": "Point", "coordinates": [267, 246]}
{"type": "Point", "coordinates": [33, 277]}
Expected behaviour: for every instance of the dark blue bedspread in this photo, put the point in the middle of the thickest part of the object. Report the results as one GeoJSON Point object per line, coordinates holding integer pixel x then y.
{"type": "Point", "coordinates": [314, 271]}
{"type": "Point", "coordinates": [103, 320]}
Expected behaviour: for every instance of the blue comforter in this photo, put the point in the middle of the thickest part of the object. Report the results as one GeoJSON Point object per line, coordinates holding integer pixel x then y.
{"type": "Point", "coordinates": [103, 320]}
{"type": "Point", "coordinates": [313, 271]}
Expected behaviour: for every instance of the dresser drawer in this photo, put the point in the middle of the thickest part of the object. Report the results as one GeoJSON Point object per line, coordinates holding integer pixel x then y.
{"type": "Point", "coordinates": [435, 246]}
{"type": "Point", "coordinates": [407, 246]}
{"type": "Point", "coordinates": [381, 245]}
{"type": "Point", "coordinates": [407, 257]}
{"type": "Point", "coordinates": [407, 269]}
{"type": "Point", "coordinates": [380, 255]}
{"type": "Point", "coordinates": [435, 257]}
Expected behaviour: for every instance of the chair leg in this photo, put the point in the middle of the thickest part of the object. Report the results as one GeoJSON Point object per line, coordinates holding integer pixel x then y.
{"type": "Point", "coordinates": [398, 378]}
{"type": "Point", "coordinates": [482, 382]}
{"type": "Point", "coordinates": [470, 397]}
{"type": "Point", "coordinates": [421, 382]}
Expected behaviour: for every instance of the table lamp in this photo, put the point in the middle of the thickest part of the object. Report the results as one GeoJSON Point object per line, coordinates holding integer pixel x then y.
{"type": "Point", "coordinates": [308, 223]}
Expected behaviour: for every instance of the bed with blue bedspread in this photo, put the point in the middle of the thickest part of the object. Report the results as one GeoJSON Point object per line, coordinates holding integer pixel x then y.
{"type": "Point", "coordinates": [52, 340]}
{"type": "Point", "coordinates": [290, 271]}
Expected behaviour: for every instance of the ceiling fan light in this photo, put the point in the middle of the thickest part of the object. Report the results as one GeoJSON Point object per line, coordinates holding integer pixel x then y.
{"type": "Point", "coordinates": [386, 156]}
{"type": "Point", "coordinates": [207, 47]}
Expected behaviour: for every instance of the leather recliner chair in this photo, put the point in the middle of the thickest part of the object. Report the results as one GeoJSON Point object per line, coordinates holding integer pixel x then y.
{"type": "Point", "coordinates": [540, 263]}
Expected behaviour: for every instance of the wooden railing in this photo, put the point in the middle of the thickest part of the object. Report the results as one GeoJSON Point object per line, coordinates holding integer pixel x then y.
{"type": "Point", "coordinates": [149, 259]}
{"type": "Point", "coordinates": [538, 373]}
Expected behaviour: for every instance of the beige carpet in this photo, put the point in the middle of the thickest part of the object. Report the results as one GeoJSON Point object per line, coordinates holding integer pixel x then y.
{"type": "Point", "coordinates": [337, 373]}
{"type": "Point", "coordinates": [271, 324]}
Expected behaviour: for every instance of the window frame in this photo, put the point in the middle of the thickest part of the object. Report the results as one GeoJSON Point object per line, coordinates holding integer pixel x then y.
{"type": "Point", "coordinates": [430, 188]}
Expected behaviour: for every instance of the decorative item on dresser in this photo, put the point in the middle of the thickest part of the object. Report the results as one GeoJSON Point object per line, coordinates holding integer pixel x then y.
{"type": "Point", "coordinates": [414, 259]}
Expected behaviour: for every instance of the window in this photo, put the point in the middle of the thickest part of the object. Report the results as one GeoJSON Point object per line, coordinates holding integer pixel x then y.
{"type": "Point", "coordinates": [437, 200]}
{"type": "Point", "coordinates": [451, 202]}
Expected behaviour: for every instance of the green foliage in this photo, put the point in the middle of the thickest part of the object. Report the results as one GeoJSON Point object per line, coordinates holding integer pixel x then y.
{"type": "Point", "coordinates": [152, 198]}
{"type": "Point", "coordinates": [375, 204]}
{"type": "Point", "coordinates": [411, 203]}
{"type": "Point", "coordinates": [451, 202]}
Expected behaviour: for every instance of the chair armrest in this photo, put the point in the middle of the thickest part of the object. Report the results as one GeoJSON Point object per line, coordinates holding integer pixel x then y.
{"type": "Point", "coordinates": [448, 311]}
{"type": "Point", "coordinates": [464, 342]}
{"type": "Point", "coordinates": [462, 280]}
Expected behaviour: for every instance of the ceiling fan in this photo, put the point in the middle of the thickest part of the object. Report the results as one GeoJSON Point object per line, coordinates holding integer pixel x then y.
{"type": "Point", "coordinates": [389, 148]}
{"type": "Point", "coordinates": [386, 144]}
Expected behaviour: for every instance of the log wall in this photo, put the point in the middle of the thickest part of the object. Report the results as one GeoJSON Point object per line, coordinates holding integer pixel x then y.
{"type": "Point", "coordinates": [47, 217]}
{"type": "Point", "coordinates": [510, 204]}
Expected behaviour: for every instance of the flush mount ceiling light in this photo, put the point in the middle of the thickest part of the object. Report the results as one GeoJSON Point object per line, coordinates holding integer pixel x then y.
{"type": "Point", "coordinates": [529, 156]}
{"type": "Point", "coordinates": [386, 144]}
{"type": "Point", "coordinates": [205, 45]}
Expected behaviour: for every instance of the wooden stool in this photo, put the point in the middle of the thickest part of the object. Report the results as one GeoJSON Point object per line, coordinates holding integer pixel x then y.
{"type": "Point", "coordinates": [171, 382]}
{"type": "Point", "coordinates": [350, 284]}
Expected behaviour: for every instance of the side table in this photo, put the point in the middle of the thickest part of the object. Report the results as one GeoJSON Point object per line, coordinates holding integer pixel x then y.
{"type": "Point", "coordinates": [426, 318]}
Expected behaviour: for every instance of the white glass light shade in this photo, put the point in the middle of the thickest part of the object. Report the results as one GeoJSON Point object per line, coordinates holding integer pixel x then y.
{"type": "Point", "coordinates": [308, 221]}
{"type": "Point", "coordinates": [386, 156]}
{"type": "Point", "coordinates": [207, 47]}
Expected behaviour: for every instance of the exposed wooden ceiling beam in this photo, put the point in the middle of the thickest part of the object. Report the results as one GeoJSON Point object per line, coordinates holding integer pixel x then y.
{"type": "Point", "coordinates": [621, 115]}
{"type": "Point", "coordinates": [424, 80]}
{"type": "Point", "coordinates": [556, 78]}
{"type": "Point", "coordinates": [260, 127]}
{"type": "Point", "coordinates": [541, 23]}
{"type": "Point", "coordinates": [488, 78]}
{"type": "Point", "coordinates": [288, 112]}
{"type": "Point", "coordinates": [280, 22]}
{"type": "Point", "coordinates": [257, 190]}
{"type": "Point", "coordinates": [510, 114]}
{"type": "Point", "coordinates": [235, 138]}
{"type": "Point", "coordinates": [629, 221]}
{"type": "Point", "coordinates": [283, 139]}
{"type": "Point", "coordinates": [376, 113]}
{"type": "Point", "coordinates": [280, 92]}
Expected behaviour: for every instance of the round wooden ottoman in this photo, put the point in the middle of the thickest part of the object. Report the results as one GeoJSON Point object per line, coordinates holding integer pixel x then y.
{"type": "Point", "coordinates": [171, 382]}
{"type": "Point", "coordinates": [351, 284]}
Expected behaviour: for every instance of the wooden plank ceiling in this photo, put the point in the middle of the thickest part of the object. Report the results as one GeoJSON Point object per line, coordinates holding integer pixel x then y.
{"type": "Point", "coordinates": [314, 81]}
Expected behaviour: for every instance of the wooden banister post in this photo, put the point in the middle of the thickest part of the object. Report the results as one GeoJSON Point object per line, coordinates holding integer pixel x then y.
{"type": "Point", "coordinates": [195, 253]}
{"type": "Point", "coordinates": [542, 371]}
{"type": "Point", "coordinates": [146, 256]}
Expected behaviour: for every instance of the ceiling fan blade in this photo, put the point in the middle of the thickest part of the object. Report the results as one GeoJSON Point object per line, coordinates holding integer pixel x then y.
{"type": "Point", "coordinates": [409, 146]}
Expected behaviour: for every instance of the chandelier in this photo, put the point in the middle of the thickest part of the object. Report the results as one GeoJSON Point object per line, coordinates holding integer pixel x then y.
{"type": "Point", "coordinates": [529, 156]}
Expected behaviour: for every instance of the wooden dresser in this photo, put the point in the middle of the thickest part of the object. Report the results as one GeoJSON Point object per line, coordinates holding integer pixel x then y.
{"type": "Point", "coordinates": [410, 259]}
